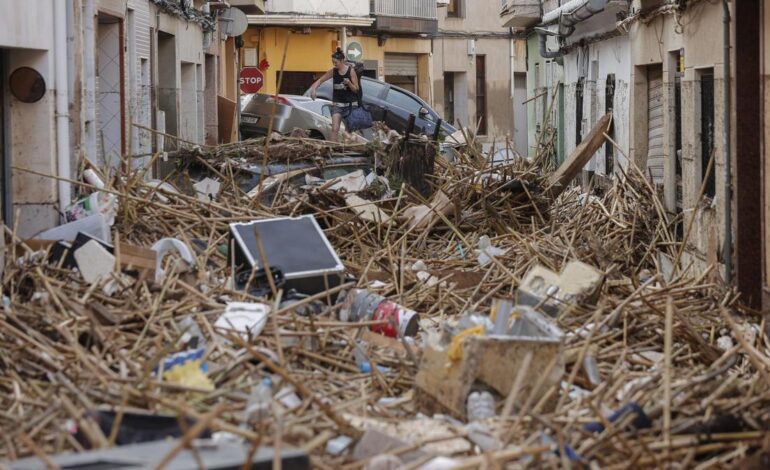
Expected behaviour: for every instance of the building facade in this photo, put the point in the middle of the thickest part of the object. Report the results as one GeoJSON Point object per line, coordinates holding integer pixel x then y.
{"type": "Point", "coordinates": [32, 79]}
{"type": "Point", "coordinates": [118, 80]}
{"type": "Point", "coordinates": [479, 73]}
{"type": "Point", "coordinates": [388, 36]}
{"type": "Point", "coordinates": [659, 66]}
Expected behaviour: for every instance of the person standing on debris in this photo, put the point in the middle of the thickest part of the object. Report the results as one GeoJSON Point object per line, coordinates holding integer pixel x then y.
{"type": "Point", "coordinates": [346, 88]}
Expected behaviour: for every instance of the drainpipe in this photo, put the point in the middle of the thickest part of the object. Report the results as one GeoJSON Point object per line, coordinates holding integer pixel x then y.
{"type": "Point", "coordinates": [728, 151]}
{"type": "Point", "coordinates": [63, 150]}
{"type": "Point", "coordinates": [567, 16]}
{"type": "Point", "coordinates": [89, 80]}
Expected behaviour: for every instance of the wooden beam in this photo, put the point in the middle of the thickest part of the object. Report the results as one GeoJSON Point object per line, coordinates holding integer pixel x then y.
{"type": "Point", "coordinates": [571, 168]}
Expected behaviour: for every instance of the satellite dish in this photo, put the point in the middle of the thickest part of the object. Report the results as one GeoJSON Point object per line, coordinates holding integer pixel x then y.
{"type": "Point", "coordinates": [234, 22]}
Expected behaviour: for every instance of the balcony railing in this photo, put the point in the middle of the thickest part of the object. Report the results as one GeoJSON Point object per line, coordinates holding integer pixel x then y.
{"type": "Point", "coordinates": [422, 9]}
{"type": "Point", "coordinates": [345, 8]}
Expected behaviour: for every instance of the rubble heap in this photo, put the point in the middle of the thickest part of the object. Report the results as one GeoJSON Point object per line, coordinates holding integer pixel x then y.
{"type": "Point", "coordinates": [657, 365]}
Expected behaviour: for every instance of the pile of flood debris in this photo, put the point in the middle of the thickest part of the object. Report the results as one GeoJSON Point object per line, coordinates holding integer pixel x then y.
{"type": "Point", "coordinates": [337, 315]}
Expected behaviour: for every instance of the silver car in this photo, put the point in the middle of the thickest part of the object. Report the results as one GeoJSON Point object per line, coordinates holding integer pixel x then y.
{"type": "Point", "coordinates": [291, 112]}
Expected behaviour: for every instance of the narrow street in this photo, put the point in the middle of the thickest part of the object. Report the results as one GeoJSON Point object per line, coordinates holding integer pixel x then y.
{"type": "Point", "coordinates": [377, 235]}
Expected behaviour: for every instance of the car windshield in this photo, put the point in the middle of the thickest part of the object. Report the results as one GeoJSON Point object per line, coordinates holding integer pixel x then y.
{"type": "Point", "coordinates": [406, 102]}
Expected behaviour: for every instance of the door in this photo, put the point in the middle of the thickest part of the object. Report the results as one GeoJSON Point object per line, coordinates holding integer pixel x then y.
{"type": "Point", "coordinates": [481, 94]}
{"type": "Point", "coordinates": [295, 83]}
{"type": "Point", "coordinates": [449, 97]}
{"type": "Point", "coordinates": [609, 104]}
{"type": "Point", "coordinates": [402, 105]}
{"type": "Point", "coordinates": [520, 114]}
{"type": "Point", "coordinates": [655, 157]}
{"type": "Point", "coordinates": [110, 136]}
{"type": "Point", "coordinates": [4, 155]}
{"type": "Point", "coordinates": [707, 137]}
{"type": "Point", "coordinates": [401, 71]}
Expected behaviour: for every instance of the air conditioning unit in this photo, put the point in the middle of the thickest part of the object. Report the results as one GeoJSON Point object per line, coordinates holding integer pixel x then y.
{"type": "Point", "coordinates": [442, 3]}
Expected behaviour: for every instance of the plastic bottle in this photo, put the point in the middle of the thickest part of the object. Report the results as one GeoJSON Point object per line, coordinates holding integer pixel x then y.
{"type": "Point", "coordinates": [259, 402]}
{"type": "Point", "coordinates": [480, 405]}
{"type": "Point", "coordinates": [93, 179]}
{"type": "Point", "coordinates": [191, 333]}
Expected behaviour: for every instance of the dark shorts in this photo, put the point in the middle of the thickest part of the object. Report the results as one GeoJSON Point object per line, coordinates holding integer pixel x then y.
{"type": "Point", "coordinates": [343, 110]}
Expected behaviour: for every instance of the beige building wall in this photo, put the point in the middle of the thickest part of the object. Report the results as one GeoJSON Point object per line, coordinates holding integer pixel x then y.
{"type": "Point", "coordinates": [477, 29]}
{"type": "Point", "coordinates": [27, 38]}
{"type": "Point", "coordinates": [700, 40]}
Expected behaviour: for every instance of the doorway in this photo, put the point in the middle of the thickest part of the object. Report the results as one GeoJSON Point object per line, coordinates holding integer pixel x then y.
{"type": "Point", "coordinates": [401, 71]}
{"type": "Point", "coordinates": [110, 90]}
{"type": "Point", "coordinates": [167, 87]}
{"type": "Point", "coordinates": [481, 94]}
{"type": "Point", "coordinates": [655, 130]}
{"type": "Point", "coordinates": [449, 97]}
{"type": "Point", "coordinates": [520, 123]}
{"type": "Point", "coordinates": [210, 101]}
{"type": "Point", "coordinates": [707, 137]}
{"type": "Point", "coordinates": [609, 104]}
{"type": "Point", "coordinates": [5, 155]}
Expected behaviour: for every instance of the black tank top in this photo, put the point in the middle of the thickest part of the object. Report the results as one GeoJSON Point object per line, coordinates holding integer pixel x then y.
{"type": "Point", "coordinates": [343, 94]}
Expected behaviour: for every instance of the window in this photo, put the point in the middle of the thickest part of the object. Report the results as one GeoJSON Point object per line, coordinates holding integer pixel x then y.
{"type": "Point", "coordinates": [455, 9]}
{"type": "Point", "coordinates": [372, 88]}
{"type": "Point", "coordinates": [404, 101]}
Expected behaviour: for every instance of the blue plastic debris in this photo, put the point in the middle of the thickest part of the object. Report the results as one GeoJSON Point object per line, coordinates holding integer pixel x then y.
{"type": "Point", "coordinates": [641, 421]}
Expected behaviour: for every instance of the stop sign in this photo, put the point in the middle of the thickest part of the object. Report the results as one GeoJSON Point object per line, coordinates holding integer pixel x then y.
{"type": "Point", "coordinates": [251, 80]}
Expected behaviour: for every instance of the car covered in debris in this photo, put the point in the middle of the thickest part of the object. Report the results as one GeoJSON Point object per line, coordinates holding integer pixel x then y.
{"type": "Point", "coordinates": [290, 112]}
{"type": "Point", "coordinates": [394, 105]}
{"type": "Point", "coordinates": [276, 175]}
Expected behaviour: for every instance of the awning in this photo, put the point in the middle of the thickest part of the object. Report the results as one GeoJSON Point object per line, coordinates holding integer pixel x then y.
{"type": "Point", "coordinates": [303, 20]}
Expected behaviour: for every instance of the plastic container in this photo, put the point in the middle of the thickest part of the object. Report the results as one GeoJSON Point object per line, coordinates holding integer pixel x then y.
{"type": "Point", "coordinates": [97, 203]}
{"type": "Point", "coordinates": [361, 305]}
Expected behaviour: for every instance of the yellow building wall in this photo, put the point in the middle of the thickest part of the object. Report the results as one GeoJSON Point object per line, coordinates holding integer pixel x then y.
{"type": "Point", "coordinates": [312, 53]}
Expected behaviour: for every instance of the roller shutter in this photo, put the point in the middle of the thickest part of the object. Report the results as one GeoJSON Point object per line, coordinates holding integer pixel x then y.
{"type": "Point", "coordinates": [655, 156]}
{"type": "Point", "coordinates": [401, 65]}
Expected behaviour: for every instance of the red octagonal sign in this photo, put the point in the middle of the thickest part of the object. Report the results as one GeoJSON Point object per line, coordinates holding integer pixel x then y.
{"type": "Point", "coordinates": [251, 80]}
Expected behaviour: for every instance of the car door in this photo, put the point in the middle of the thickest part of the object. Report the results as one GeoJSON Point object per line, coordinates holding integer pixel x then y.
{"type": "Point", "coordinates": [424, 123]}
{"type": "Point", "coordinates": [374, 93]}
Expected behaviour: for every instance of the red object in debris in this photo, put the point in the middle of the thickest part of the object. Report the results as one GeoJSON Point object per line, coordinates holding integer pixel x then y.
{"type": "Point", "coordinates": [362, 305]}
{"type": "Point", "coordinates": [251, 80]}
{"type": "Point", "coordinates": [400, 321]}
